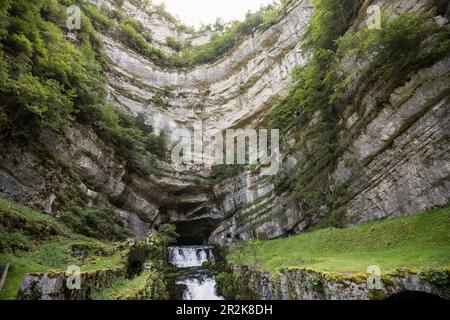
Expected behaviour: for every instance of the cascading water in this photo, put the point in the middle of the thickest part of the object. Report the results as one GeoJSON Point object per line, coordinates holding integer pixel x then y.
{"type": "Point", "coordinates": [199, 283]}
{"type": "Point", "coordinates": [191, 256]}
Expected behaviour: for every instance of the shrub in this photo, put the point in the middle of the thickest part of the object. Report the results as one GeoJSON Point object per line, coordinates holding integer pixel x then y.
{"type": "Point", "coordinates": [403, 45]}
{"type": "Point", "coordinates": [174, 44]}
{"type": "Point", "coordinates": [99, 222]}
{"type": "Point", "coordinates": [45, 79]}
{"type": "Point", "coordinates": [439, 278]}
{"type": "Point", "coordinates": [314, 280]}
{"type": "Point", "coordinates": [316, 98]}
{"type": "Point", "coordinates": [99, 20]}
{"type": "Point", "coordinates": [133, 34]}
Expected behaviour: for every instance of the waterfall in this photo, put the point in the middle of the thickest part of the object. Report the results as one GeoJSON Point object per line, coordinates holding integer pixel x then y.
{"type": "Point", "coordinates": [191, 256]}
{"type": "Point", "coordinates": [200, 287]}
{"type": "Point", "coordinates": [199, 284]}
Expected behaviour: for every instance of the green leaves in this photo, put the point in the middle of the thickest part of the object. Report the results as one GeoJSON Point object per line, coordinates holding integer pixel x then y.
{"type": "Point", "coordinates": [19, 44]}
{"type": "Point", "coordinates": [310, 107]}
{"type": "Point", "coordinates": [45, 79]}
{"type": "Point", "coordinates": [403, 45]}
{"type": "Point", "coordinates": [31, 100]}
{"type": "Point", "coordinates": [330, 20]}
{"type": "Point", "coordinates": [168, 233]}
{"type": "Point", "coordinates": [320, 91]}
{"type": "Point", "coordinates": [132, 33]}
{"type": "Point", "coordinates": [49, 82]}
{"type": "Point", "coordinates": [98, 222]}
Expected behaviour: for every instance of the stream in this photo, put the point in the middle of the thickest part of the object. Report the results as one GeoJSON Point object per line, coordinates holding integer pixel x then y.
{"type": "Point", "coordinates": [198, 283]}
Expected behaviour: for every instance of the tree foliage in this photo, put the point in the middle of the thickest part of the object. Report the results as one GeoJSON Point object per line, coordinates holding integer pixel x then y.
{"type": "Point", "coordinates": [46, 80]}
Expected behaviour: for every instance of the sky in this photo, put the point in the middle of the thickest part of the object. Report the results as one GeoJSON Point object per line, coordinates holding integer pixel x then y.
{"type": "Point", "coordinates": [194, 12]}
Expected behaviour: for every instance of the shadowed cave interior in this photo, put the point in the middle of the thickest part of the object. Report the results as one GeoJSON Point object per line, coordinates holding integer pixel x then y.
{"type": "Point", "coordinates": [195, 232]}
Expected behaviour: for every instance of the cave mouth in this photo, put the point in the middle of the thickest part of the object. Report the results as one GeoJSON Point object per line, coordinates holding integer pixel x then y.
{"type": "Point", "coordinates": [195, 232]}
{"type": "Point", "coordinates": [136, 267]}
{"type": "Point", "coordinates": [414, 296]}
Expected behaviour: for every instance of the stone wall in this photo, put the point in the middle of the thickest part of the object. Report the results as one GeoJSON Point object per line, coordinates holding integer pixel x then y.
{"type": "Point", "coordinates": [311, 285]}
{"type": "Point", "coordinates": [53, 285]}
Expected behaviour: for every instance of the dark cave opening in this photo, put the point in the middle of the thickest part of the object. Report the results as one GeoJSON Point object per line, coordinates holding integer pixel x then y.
{"type": "Point", "coordinates": [135, 261]}
{"type": "Point", "coordinates": [194, 232]}
{"type": "Point", "coordinates": [136, 267]}
{"type": "Point", "coordinates": [414, 296]}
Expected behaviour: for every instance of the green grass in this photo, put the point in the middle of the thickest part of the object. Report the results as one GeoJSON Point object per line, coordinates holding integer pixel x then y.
{"type": "Point", "coordinates": [53, 255]}
{"type": "Point", "coordinates": [32, 241]}
{"type": "Point", "coordinates": [415, 242]}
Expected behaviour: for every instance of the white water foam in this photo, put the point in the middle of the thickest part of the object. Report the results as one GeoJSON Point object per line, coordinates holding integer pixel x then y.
{"type": "Point", "coordinates": [191, 256]}
{"type": "Point", "coordinates": [200, 285]}
{"type": "Point", "coordinates": [200, 289]}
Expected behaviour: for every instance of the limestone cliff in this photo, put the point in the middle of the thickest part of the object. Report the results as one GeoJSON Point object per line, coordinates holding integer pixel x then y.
{"type": "Point", "coordinates": [396, 162]}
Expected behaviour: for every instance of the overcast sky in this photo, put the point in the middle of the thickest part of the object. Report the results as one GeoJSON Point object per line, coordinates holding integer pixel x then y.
{"type": "Point", "coordinates": [193, 12]}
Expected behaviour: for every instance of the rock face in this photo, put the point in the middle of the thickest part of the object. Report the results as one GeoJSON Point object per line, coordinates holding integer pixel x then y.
{"type": "Point", "coordinates": [405, 152]}
{"type": "Point", "coordinates": [262, 63]}
{"type": "Point", "coordinates": [309, 285]}
{"type": "Point", "coordinates": [399, 163]}
{"type": "Point", "coordinates": [53, 286]}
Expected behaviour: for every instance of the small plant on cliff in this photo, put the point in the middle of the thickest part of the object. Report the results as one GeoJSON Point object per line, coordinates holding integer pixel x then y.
{"type": "Point", "coordinates": [314, 280]}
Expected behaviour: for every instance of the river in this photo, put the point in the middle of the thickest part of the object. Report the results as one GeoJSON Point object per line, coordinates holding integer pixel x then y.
{"type": "Point", "coordinates": [198, 283]}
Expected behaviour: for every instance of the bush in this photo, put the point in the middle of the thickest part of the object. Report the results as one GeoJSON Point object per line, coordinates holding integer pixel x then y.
{"type": "Point", "coordinates": [46, 80]}
{"type": "Point", "coordinates": [403, 45]}
{"type": "Point", "coordinates": [314, 280]}
{"type": "Point", "coordinates": [330, 20]}
{"type": "Point", "coordinates": [439, 278]}
{"type": "Point", "coordinates": [316, 98]}
{"type": "Point", "coordinates": [13, 241]}
{"type": "Point", "coordinates": [99, 20]}
{"type": "Point", "coordinates": [132, 138]}
{"type": "Point", "coordinates": [174, 44]}
{"type": "Point", "coordinates": [100, 222]}
{"type": "Point", "coordinates": [222, 172]}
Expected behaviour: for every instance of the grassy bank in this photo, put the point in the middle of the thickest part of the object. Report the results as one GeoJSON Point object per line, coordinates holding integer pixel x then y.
{"type": "Point", "coordinates": [31, 241]}
{"type": "Point", "coordinates": [415, 242]}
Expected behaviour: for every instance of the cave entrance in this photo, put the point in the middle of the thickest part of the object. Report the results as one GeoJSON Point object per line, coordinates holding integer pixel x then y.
{"type": "Point", "coordinates": [136, 260]}
{"type": "Point", "coordinates": [195, 232]}
{"type": "Point", "coordinates": [135, 269]}
{"type": "Point", "coordinates": [414, 295]}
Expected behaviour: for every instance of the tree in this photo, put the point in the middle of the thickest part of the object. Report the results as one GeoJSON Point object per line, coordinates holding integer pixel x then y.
{"type": "Point", "coordinates": [253, 249]}
{"type": "Point", "coordinates": [219, 25]}
{"type": "Point", "coordinates": [238, 252]}
{"type": "Point", "coordinates": [168, 235]}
